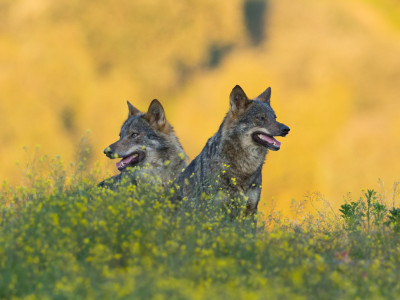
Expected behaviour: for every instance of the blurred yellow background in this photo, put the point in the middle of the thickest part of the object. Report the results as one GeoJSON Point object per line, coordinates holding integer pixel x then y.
{"type": "Point", "coordinates": [334, 67]}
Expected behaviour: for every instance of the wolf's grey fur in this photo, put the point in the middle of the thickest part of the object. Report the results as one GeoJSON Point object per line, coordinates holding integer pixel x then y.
{"type": "Point", "coordinates": [151, 139]}
{"type": "Point", "coordinates": [231, 162]}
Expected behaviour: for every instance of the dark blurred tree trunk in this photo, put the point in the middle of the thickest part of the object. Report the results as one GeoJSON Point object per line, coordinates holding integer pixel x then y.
{"type": "Point", "coordinates": [255, 18]}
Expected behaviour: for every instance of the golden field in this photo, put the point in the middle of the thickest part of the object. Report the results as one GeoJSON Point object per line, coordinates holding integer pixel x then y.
{"type": "Point", "coordinates": [334, 69]}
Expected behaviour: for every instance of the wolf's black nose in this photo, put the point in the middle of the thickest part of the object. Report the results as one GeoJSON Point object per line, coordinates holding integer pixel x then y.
{"type": "Point", "coordinates": [285, 130]}
{"type": "Point", "coordinates": [108, 151]}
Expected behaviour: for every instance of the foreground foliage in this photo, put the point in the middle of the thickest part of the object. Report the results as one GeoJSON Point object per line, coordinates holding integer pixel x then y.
{"type": "Point", "coordinates": [66, 238]}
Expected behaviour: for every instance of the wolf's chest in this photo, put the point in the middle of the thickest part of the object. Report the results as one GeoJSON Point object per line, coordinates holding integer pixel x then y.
{"type": "Point", "coordinates": [253, 196]}
{"type": "Point", "coordinates": [246, 188]}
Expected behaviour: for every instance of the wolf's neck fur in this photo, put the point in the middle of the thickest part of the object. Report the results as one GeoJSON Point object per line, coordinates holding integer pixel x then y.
{"type": "Point", "coordinates": [176, 159]}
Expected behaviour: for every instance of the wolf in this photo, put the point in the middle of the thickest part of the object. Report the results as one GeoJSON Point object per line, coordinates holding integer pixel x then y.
{"type": "Point", "coordinates": [147, 143]}
{"type": "Point", "coordinates": [230, 164]}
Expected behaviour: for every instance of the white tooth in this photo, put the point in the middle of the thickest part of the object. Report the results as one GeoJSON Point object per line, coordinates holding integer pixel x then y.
{"type": "Point", "coordinates": [274, 143]}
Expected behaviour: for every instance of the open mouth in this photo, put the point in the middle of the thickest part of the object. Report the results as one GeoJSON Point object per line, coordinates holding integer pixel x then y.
{"type": "Point", "coordinates": [267, 141]}
{"type": "Point", "coordinates": [130, 161]}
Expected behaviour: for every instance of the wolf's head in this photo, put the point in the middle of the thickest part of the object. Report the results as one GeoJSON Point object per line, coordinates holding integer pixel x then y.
{"type": "Point", "coordinates": [253, 122]}
{"type": "Point", "coordinates": [146, 139]}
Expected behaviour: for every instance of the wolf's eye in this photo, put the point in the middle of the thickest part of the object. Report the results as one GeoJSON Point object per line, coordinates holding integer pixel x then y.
{"type": "Point", "coordinates": [134, 134]}
{"type": "Point", "coordinates": [262, 118]}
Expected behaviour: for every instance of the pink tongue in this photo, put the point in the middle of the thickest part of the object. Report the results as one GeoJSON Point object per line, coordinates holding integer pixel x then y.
{"type": "Point", "coordinates": [125, 161]}
{"type": "Point", "coordinates": [270, 140]}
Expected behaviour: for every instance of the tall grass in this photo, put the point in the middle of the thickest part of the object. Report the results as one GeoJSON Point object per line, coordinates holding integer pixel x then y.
{"type": "Point", "coordinates": [62, 237]}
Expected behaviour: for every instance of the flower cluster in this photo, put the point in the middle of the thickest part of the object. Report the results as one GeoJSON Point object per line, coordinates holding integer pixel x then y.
{"type": "Point", "coordinates": [74, 240]}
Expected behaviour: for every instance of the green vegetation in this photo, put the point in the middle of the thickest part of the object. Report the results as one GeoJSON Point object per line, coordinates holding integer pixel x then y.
{"type": "Point", "coordinates": [61, 237]}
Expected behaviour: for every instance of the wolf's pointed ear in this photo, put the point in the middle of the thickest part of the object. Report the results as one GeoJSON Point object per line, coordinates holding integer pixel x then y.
{"type": "Point", "coordinates": [133, 111]}
{"type": "Point", "coordinates": [238, 101]}
{"type": "Point", "coordinates": [265, 96]}
{"type": "Point", "coordinates": [155, 115]}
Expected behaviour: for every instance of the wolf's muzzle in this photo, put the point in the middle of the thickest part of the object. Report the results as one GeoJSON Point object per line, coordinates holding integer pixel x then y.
{"type": "Point", "coordinates": [109, 152]}
{"type": "Point", "coordinates": [284, 130]}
